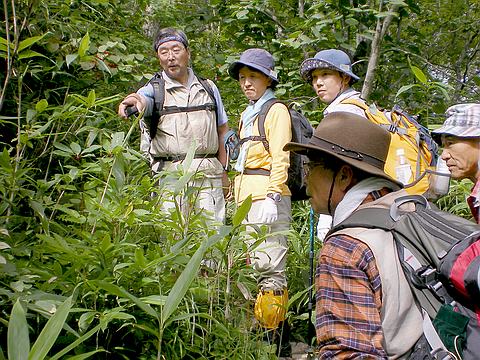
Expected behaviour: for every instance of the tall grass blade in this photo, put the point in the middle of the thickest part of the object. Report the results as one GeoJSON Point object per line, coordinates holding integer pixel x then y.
{"type": "Point", "coordinates": [17, 335]}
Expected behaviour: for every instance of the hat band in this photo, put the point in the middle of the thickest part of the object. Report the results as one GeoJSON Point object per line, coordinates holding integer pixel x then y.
{"type": "Point", "coordinates": [352, 154]}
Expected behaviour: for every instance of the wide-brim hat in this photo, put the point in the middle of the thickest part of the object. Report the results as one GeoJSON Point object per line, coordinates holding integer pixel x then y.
{"type": "Point", "coordinates": [327, 59]}
{"type": "Point", "coordinates": [463, 120]}
{"type": "Point", "coordinates": [351, 138]}
{"type": "Point", "coordinates": [258, 59]}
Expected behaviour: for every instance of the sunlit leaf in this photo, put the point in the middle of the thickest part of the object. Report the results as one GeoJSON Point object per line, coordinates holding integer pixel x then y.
{"type": "Point", "coordinates": [405, 88]}
{"type": "Point", "coordinates": [17, 334]}
{"type": "Point", "coordinates": [139, 258]}
{"type": "Point", "coordinates": [50, 332]}
{"type": "Point", "coordinates": [242, 211]}
{"type": "Point", "coordinates": [84, 44]}
{"type": "Point", "coordinates": [119, 170]}
{"type": "Point", "coordinates": [183, 283]}
{"type": "Point", "coordinates": [28, 42]}
{"type": "Point", "coordinates": [114, 289]}
{"type": "Point", "coordinates": [91, 98]}
{"type": "Point", "coordinates": [26, 54]}
{"type": "Point", "coordinates": [70, 58]}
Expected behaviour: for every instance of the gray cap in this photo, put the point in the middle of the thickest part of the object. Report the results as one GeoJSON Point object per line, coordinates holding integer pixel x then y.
{"type": "Point", "coordinates": [257, 59]}
{"type": "Point", "coordinates": [327, 59]}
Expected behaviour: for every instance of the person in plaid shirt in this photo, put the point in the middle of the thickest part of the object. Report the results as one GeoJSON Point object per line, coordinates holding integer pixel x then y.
{"type": "Point", "coordinates": [364, 305]}
{"type": "Point", "coordinates": [460, 138]}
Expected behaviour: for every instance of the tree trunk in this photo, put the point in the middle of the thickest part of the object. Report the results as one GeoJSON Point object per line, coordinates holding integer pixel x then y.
{"type": "Point", "coordinates": [376, 47]}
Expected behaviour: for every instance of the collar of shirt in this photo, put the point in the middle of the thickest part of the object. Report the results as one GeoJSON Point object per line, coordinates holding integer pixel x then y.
{"type": "Point", "coordinates": [171, 83]}
{"type": "Point", "coordinates": [346, 94]}
{"type": "Point", "coordinates": [375, 195]}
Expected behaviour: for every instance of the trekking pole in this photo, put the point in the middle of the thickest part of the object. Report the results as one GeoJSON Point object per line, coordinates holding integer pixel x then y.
{"type": "Point", "coordinates": [311, 328]}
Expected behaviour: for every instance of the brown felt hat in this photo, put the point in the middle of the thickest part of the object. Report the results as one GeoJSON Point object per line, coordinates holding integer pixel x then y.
{"type": "Point", "coordinates": [353, 139]}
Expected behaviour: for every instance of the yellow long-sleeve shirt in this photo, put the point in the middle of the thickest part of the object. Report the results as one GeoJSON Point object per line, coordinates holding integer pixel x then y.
{"type": "Point", "coordinates": [278, 132]}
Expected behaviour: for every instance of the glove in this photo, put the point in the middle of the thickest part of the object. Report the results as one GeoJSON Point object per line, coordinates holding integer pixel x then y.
{"type": "Point", "coordinates": [268, 212]}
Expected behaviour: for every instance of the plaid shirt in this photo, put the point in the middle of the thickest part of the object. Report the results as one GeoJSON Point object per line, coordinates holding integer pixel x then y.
{"type": "Point", "coordinates": [474, 201]}
{"type": "Point", "coordinates": [349, 298]}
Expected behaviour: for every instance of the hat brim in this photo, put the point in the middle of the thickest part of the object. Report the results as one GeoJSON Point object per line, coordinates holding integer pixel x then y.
{"type": "Point", "coordinates": [455, 130]}
{"type": "Point", "coordinates": [311, 64]}
{"type": "Point", "coordinates": [234, 68]}
{"type": "Point", "coordinates": [312, 151]}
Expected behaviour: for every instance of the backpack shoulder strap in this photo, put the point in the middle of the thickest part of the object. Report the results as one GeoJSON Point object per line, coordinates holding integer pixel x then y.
{"type": "Point", "coordinates": [366, 218]}
{"type": "Point", "coordinates": [261, 120]}
{"type": "Point", "coordinates": [208, 88]}
{"type": "Point", "coordinates": [159, 98]}
{"type": "Point", "coordinates": [359, 103]}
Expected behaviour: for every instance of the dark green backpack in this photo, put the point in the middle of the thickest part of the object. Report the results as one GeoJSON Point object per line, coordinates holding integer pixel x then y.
{"type": "Point", "coordinates": [430, 244]}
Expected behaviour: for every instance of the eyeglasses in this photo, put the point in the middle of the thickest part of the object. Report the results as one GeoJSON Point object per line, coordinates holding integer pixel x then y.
{"type": "Point", "coordinates": [308, 166]}
{"type": "Point", "coordinates": [175, 51]}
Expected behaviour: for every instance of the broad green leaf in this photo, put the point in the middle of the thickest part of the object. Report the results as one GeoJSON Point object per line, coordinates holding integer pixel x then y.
{"type": "Point", "coordinates": [101, 64]}
{"type": "Point", "coordinates": [106, 243]}
{"type": "Point", "coordinates": [26, 54]}
{"type": "Point", "coordinates": [3, 44]}
{"type": "Point", "coordinates": [5, 160]}
{"type": "Point", "coordinates": [183, 283]}
{"type": "Point", "coordinates": [28, 42]}
{"type": "Point", "coordinates": [155, 299]}
{"type": "Point", "coordinates": [30, 115]}
{"type": "Point", "coordinates": [84, 356]}
{"type": "Point", "coordinates": [50, 332]}
{"type": "Point", "coordinates": [242, 211]}
{"type": "Point", "coordinates": [63, 147]}
{"type": "Point", "coordinates": [117, 139]}
{"type": "Point", "coordinates": [77, 149]}
{"type": "Point", "coordinates": [182, 182]}
{"type": "Point", "coordinates": [405, 88]}
{"type": "Point", "coordinates": [70, 58]}
{"type": "Point", "coordinates": [241, 14]}
{"type": "Point", "coordinates": [74, 344]}
{"type": "Point", "coordinates": [84, 44]}
{"type": "Point", "coordinates": [38, 208]}
{"type": "Point", "coordinates": [91, 98]}
{"type": "Point", "coordinates": [17, 335]}
{"type": "Point", "coordinates": [419, 75]}
{"type": "Point", "coordinates": [114, 289]}
{"type": "Point", "coordinates": [2, 357]}
{"type": "Point", "coordinates": [91, 148]}
{"type": "Point", "coordinates": [140, 258]}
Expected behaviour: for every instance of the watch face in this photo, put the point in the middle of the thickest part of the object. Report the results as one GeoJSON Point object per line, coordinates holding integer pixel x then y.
{"type": "Point", "coordinates": [275, 196]}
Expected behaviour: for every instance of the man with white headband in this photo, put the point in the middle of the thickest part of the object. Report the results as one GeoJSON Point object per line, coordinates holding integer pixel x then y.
{"type": "Point", "coordinates": [192, 111]}
{"type": "Point", "coordinates": [460, 137]}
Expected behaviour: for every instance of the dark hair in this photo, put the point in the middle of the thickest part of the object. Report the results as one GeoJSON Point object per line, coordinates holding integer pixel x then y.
{"type": "Point", "coordinates": [329, 162]}
{"type": "Point", "coordinates": [273, 84]}
{"type": "Point", "coordinates": [169, 32]}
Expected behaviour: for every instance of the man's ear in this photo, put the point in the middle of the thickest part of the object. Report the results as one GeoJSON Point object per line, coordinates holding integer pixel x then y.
{"type": "Point", "coordinates": [345, 179]}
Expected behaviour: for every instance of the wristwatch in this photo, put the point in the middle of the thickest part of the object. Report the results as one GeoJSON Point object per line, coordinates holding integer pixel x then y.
{"type": "Point", "coordinates": [277, 197]}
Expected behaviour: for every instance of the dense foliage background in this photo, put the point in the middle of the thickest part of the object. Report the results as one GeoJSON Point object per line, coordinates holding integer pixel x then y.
{"type": "Point", "coordinates": [82, 242]}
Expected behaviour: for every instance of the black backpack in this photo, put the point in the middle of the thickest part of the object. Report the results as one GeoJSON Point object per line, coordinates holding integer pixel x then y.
{"type": "Point", "coordinates": [159, 97]}
{"type": "Point", "coordinates": [440, 256]}
{"type": "Point", "coordinates": [302, 131]}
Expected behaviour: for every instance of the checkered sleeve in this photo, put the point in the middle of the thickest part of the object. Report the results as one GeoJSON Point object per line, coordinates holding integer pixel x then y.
{"type": "Point", "coordinates": [348, 301]}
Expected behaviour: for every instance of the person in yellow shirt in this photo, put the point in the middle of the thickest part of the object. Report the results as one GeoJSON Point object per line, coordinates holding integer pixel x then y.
{"type": "Point", "coordinates": [263, 171]}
